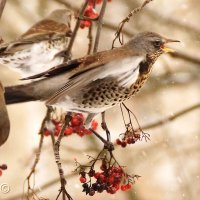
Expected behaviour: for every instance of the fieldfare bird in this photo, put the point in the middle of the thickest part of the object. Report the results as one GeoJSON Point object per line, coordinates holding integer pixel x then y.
{"type": "Point", "coordinates": [38, 49]}
{"type": "Point", "coordinates": [100, 81]}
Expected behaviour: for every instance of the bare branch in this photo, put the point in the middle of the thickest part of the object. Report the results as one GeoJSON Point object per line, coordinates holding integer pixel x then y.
{"type": "Point", "coordinates": [186, 57]}
{"type": "Point", "coordinates": [2, 5]}
{"type": "Point", "coordinates": [100, 21]}
{"type": "Point", "coordinates": [119, 32]}
{"type": "Point", "coordinates": [171, 118]}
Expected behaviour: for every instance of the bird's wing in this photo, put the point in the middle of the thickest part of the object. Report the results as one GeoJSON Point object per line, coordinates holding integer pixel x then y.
{"type": "Point", "coordinates": [80, 65]}
{"type": "Point", "coordinates": [41, 31]}
{"type": "Point", "coordinates": [119, 68]}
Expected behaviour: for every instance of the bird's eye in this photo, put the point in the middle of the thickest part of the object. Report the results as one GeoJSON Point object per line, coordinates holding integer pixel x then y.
{"type": "Point", "coordinates": [157, 43]}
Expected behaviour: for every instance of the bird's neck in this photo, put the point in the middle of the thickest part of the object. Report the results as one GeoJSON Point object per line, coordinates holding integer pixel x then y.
{"type": "Point", "coordinates": [151, 58]}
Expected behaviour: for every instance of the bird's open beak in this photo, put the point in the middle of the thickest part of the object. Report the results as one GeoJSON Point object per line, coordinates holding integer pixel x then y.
{"type": "Point", "coordinates": [167, 49]}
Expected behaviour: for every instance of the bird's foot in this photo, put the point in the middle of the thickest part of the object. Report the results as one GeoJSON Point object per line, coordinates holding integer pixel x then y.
{"type": "Point", "coordinates": [63, 191]}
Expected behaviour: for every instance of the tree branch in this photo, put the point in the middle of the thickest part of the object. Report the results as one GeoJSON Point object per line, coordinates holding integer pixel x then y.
{"type": "Point", "coordinates": [171, 118]}
{"type": "Point", "coordinates": [99, 27]}
{"type": "Point", "coordinates": [2, 5]}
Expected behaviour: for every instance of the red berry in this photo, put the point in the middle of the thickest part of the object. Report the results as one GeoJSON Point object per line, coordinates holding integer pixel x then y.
{"type": "Point", "coordinates": [58, 128]}
{"type": "Point", "coordinates": [119, 170]}
{"type": "Point", "coordinates": [55, 122]}
{"type": "Point", "coordinates": [91, 173]}
{"type": "Point", "coordinates": [87, 23]}
{"type": "Point", "coordinates": [111, 190]}
{"type": "Point", "coordinates": [56, 133]}
{"type": "Point", "coordinates": [123, 144]}
{"type": "Point", "coordinates": [46, 133]}
{"type": "Point", "coordinates": [4, 167]}
{"type": "Point", "coordinates": [87, 132]}
{"type": "Point", "coordinates": [111, 179]}
{"type": "Point", "coordinates": [116, 186]}
{"type": "Point", "coordinates": [92, 192]}
{"type": "Point", "coordinates": [98, 1]}
{"type": "Point", "coordinates": [75, 121]}
{"type": "Point", "coordinates": [93, 14]}
{"type": "Point", "coordinates": [128, 186]}
{"type": "Point", "coordinates": [102, 177]}
{"type": "Point", "coordinates": [123, 188]}
{"type": "Point", "coordinates": [103, 167]}
{"type": "Point", "coordinates": [82, 179]}
{"type": "Point", "coordinates": [94, 125]}
{"type": "Point", "coordinates": [97, 174]}
{"type": "Point", "coordinates": [1, 172]}
{"type": "Point", "coordinates": [129, 140]}
{"type": "Point", "coordinates": [118, 141]}
{"type": "Point", "coordinates": [68, 131]}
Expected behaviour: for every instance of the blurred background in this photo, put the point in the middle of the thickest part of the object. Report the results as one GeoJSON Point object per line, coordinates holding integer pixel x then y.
{"type": "Point", "coordinates": [169, 164]}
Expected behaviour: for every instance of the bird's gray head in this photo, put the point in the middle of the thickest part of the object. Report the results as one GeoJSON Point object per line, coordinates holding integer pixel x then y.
{"type": "Point", "coordinates": [61, 15]}
{"type": "Point", "coordinates": [149, 43]}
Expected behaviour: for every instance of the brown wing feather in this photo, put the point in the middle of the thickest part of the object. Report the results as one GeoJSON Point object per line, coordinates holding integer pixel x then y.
{"type": "Point", "coordinates": [86, 63]}
{"type": "Point", "coordinates": [43, 30]}
{"type": "Point", "coordinates": [47, 26]}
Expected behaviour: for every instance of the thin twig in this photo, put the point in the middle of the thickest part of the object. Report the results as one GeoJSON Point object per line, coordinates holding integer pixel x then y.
{"type": "Point", "coordinates": [119, 34]}
{"type": "Point", "coordinates": [2, 6]}
{"type": "Point", "coordinates": [67, 4]}
{"type": "Point", "coordinates": [184, 56]}
{"type": "Point", "coordinates": [90, 38]}
{"type": "Point", "coordinates": [37, 158]}
{"type": "Point", "coordinates": [63, 182]}
{"type": "Point", "coordinates": [107, 144]}
{"type": "Point", "coordinates": [77, 26]}
{"type": "Point", "coordinates": [99, 27]}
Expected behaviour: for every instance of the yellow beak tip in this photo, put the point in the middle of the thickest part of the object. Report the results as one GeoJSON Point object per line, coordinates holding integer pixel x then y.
{"type": "Point", "coordinates": [168, 50]}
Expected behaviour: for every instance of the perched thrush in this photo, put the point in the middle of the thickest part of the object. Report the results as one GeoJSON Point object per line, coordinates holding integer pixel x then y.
{"type": "Point", "coordinates": [100, 81]}
{"type": "Point", "coordinates": [37, 50]}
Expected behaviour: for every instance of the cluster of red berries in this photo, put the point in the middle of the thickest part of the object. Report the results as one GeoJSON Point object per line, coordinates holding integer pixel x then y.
{"type": "Point", "coordinates": [76, 125]}
{"type": "Point", "coordinates": [2, 167]}
{"type": "Point", "coordinates": [109, 179]}
{"type": "Point", "coordinates": [128, 140]}
{"type": "Point", "coordinates": [91, 13]}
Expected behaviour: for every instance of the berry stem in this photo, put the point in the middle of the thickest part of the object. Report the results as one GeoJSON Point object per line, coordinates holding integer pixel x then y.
{"type": "Point", "coordinates": [107, 144]}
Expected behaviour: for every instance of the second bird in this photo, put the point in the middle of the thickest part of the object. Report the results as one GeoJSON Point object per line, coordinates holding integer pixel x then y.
{"type": "Point", "coordinates": [38, 49]}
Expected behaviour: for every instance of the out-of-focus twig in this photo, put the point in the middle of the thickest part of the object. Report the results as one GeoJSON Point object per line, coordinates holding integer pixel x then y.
{"type": "Point", "coordinates": [119, 32]}
{"type": "Point", "coordinates": [67, 4]}
{"type": "Point", "coordinates": [171, 118]}
{"type": "Point", "coordinates": [2, 5]}
{"type": "Point", "coordinates": [99, 27]}
{"type": "Point", "coordinates": [90, 38]}
{"type": "Point", "coordinates": [37, 158]}
{"type": "Point", "coordinates": [42, 187]}
{"type": "Point", "coordinates": [77, 26]}
{"type": "Point", "coordinates": [184, 56]}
